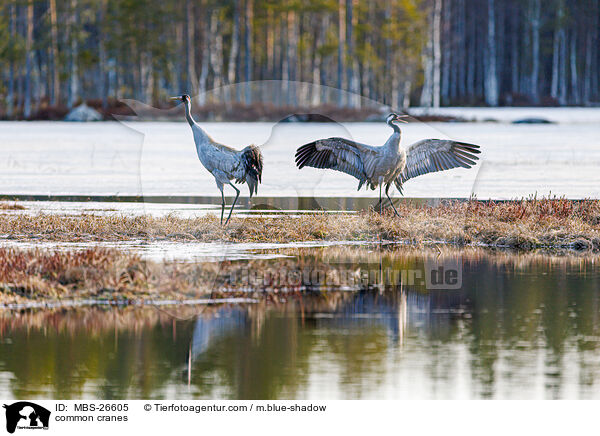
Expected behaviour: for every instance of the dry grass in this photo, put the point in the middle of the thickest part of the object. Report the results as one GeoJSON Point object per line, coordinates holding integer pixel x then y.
{"type": "Point", "coordinates": [114, 276]}
{"type": "Point", "coordinates": [10, 206]}
{"type": "Point", "coordinates": [525, 225]}
{"type": "Point", "coordinates": [100, 274]}
{"type": "Point", "coordinates": [118, 276]}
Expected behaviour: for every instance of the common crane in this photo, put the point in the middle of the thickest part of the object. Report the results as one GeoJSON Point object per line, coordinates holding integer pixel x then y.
{"type": "Point", "coordinates": [223, 162]}
{"type": "Point", "coordinates": [375, 166]}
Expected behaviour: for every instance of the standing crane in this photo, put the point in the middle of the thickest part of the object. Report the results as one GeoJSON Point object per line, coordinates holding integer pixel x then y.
{"type": "Point", "coordinates": [223, 162]}
{"type": "Point", "coordinates": [376, 166]}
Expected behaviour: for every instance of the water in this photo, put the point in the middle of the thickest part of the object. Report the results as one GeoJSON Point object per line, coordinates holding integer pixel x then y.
{"type": "Point", "coordinates": [520, 326]}
{"type": "Point", "coordinates": [158, 158]}
{"type": "Point", "coordinates": [517, 326]}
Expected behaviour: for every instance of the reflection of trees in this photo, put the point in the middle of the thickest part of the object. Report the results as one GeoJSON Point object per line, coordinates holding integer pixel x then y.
{"type": "Point", "coordinates": [512, 314]}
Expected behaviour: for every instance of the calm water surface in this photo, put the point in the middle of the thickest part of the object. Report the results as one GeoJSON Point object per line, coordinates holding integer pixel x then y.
{"type": "Point", "coordinates": [524, 326]}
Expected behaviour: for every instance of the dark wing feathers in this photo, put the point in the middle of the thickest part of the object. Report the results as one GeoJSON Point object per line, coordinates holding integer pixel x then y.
{"type": "Point", "coordinates": [431, 155]}
{"type": "Point", "coordinates": [335, 153]}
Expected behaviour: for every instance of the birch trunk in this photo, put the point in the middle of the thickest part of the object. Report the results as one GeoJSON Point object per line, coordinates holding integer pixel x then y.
{"type": "Point", "coordinates": [28, 60]}
{"type": "Point", "coordinates": [292, 52]}
{"type": "Point", "coordinates": [587, 84]}
{"type": "Point", "coordinates": [462, 60]}
{"type": "Point", "coordinates": [202, 82]}
{"type": "Point", "coordinates": [235, 43]}
{"type": "Point", "coordinates": [102, 67]}
{"type": "Point", "coordinates": [562, 94]}
{"type": "Point", "coordinates": [367, 73]}
{"type": "Point", "coordinates": [446, 51]}
{"type": "Point", "coordinates": [216, 54]}
{"type": "Point", "coordinates": [386, 92]}
{"type": "Point", "coordinates": [437, 52]}
{"type": "Point", "coordinates": [351, 66]}
{"type": "Point", "coordinates": [74, 71]}
{"type": "Point", "coordinates": [556, 54]}
{"type": "Point", "coordinates": [535, 51]}
{"type": "Point", "coordinates": [575, 96]}
{"type": "Point", "coordinates": [55, 94]}
{"type": "Point", "coordinates": [317, 63]}
{"type": "Point", "coordinates": [248, 48]}
{"type": "Point", "coordinates": [491, 81]}
{"type": "Point", "coordinates": [192, 80]}
{"type": "Point", "coordinates": [514, 56]}
{"type": "Point", "coordinates": [10, 97]}
{"type": "Point", "coordinates": [427, 92]}
{"type": "Point", "coordinates": [341, 83]}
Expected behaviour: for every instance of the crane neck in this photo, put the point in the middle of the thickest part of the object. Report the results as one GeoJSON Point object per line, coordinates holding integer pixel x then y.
{"type": "Point", "coordinates": [393, 142]}
{"type": "Point", "coordinates": [200, 136]}
{"type": "Point", "coordinates": [188, 113]}
{"type": "Point", "coordinates": [394, 126]}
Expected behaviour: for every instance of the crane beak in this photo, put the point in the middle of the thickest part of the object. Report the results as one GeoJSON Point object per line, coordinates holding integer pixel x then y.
{"type": "Point", "coordinates": [399, 118]}
{"type": "Point", "coordinates": [174, 98]}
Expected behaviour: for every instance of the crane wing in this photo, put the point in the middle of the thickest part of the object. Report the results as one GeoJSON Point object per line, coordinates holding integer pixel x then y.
{"type": "Point", "coordinates": [432, 155]}
{"type": "Point", "coordinates": [338, 154]}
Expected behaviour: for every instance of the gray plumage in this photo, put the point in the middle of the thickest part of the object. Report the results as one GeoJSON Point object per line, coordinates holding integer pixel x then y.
{"type": "Point", "coordinates": [223, 162]}
{"type": "Point", "coordinates": [376, 166]}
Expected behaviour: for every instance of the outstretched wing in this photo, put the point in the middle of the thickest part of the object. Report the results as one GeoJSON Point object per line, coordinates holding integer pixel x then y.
{"type": "Point", "coordinates": [335, 153]}
{"type": "Point", "coordinates": [431, 155]}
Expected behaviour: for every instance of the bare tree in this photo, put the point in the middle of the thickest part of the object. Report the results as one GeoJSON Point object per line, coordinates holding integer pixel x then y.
{"type": "Point", "coordinates": [491, 79]}
{"type": "Point", "coordinates": [575, 96]}
{"type": "Point", "coordinates": [55, 94]}
{"type": "Point", "coordinates": [28, 60]}
{"type": "Point", "coordinates": [10, 95]}
{"type": "Point", "coordinates": [535, 50]}
{"type": "Point", "coordinates": [341, 82]}
{"type": "Point", "coordinates": [74, 54]}
{"type": "Point", "coordinates": [192, 79]}
{"type": "Point", "coordinates": [248, 49]}
{"type": "Point", "coordinates": [437, 51]}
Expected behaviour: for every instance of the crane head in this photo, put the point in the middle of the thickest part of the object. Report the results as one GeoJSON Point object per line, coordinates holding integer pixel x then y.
{"type": "Point", "coordinates": [392, 118]}
{"type": "Point", "coordinates": [183, 98]}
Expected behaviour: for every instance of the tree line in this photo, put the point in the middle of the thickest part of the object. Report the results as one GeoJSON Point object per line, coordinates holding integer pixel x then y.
{"type": "Point", "coordinates": [56, 53]}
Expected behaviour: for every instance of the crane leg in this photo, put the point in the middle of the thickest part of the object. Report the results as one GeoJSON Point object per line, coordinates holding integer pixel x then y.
{"type": "Point", "coordinates": [387, 188]}
{"type": "Point", "coordinates": [222, 205]}
{"type": "Point", "coordinates": [237, 194]}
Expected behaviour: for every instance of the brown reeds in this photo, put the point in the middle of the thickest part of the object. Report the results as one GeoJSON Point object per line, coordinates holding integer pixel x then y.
{"type": "Point", "coordinates": [525, 225]}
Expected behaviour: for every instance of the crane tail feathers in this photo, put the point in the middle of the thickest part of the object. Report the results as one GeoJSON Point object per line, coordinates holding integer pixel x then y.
{"type": "Point", "coordinates": [252, 160]}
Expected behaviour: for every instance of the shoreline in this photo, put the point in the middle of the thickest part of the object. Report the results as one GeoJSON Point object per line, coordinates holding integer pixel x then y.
{"type": "Point", "coordinates": [117, 275]}
{"type": "Point", "coordinates": [36, 279]}
{"type": "Point", "coordinates": [549, 224]}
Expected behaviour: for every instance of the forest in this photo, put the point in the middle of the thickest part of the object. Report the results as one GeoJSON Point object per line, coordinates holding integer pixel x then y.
{"type": "Point", "coordinates": [55, 54]}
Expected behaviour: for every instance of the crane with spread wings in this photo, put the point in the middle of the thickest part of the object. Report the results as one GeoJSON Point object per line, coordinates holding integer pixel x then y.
{"type": "Point", "coordinates": [375, 166]}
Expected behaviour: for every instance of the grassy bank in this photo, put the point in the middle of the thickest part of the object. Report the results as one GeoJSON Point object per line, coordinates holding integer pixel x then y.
{"type": "Point", "coordinates": [523, 225]}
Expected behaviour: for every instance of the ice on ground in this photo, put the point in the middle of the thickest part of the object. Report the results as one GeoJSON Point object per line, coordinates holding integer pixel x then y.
{"type": "Point", "coordinates": [168, 251]}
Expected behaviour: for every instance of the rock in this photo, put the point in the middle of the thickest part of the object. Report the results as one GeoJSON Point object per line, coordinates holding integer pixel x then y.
{"type": "Point", "coordinates": [533, 121]}
{"type": "Point", "coordinates": [84, 113]}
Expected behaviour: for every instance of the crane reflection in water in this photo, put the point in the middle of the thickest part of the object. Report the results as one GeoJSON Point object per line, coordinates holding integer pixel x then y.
{"type": "Point", "coordinates": [524, 326]}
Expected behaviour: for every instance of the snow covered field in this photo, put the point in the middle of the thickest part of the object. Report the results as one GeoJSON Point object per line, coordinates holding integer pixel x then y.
{"type": "Point", "coordinates": [158, 158]}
